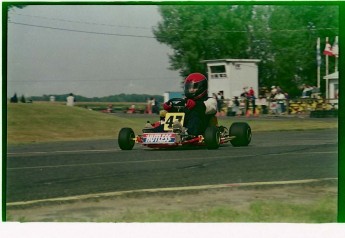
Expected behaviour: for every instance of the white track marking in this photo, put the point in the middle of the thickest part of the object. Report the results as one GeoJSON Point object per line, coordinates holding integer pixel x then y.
{"type": "Point", "coordinates": [202, 187]}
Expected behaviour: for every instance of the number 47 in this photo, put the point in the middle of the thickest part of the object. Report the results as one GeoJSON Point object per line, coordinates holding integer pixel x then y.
{"type": "Point", "coordinates": [170, 117]}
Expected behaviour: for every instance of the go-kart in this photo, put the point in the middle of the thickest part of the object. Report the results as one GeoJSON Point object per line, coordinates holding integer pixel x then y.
{"type": "Point", "coordinates": [169, 132]}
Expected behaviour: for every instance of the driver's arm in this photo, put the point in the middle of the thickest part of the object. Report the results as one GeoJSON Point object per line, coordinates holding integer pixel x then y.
{"type": "Point", "coordinates": [211, 106]}
{"type": "Point", "coordinates": [167, 106]}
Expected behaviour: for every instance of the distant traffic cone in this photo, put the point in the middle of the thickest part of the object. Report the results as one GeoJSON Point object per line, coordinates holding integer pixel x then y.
{"type": "Point", "coordinates": [248, 113]}
{"type": "Point", "coordinates": [256, 113]}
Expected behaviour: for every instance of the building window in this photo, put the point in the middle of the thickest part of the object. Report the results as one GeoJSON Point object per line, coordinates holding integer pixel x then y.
{"type": "Point", "coordinates": [218, 71]}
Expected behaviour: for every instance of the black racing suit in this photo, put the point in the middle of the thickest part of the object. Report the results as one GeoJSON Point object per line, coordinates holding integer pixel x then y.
{"type": "Point", "coordinates": [195, 119]}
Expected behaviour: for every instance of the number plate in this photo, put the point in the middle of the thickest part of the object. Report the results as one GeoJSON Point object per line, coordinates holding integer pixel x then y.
{"type": "Point", "coordinates": [159, 138]}
{"type": "Point", "coordinates": [170, 117]}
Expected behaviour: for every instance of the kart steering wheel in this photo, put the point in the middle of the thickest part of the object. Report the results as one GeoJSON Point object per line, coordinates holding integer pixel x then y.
{"type": "Point", "coordinates": [177, 103]}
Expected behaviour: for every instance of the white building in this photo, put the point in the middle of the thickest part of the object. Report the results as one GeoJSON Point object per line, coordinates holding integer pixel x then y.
{"type": "Point", "coordinates": [232, 75]}
{"type": "Point", "coordinates": [332, 85]}
{"type": "Point", "coordinates": [332, 88]}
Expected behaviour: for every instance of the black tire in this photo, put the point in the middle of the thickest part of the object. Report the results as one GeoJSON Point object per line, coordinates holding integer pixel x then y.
{"type": "Point", "coordinates": [242, 133]}
{"type": "Point", "coordinates": [126, 139]}
{"type": "Point", "coordinates": [212, 138]}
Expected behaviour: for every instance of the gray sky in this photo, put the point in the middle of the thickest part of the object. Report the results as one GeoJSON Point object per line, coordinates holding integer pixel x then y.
{"type": "Point", "coordinates": [42, 60]}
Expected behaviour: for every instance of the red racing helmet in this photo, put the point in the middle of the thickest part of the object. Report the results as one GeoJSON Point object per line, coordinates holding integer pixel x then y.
{"type": "Point", "coordinates": [195, 86]}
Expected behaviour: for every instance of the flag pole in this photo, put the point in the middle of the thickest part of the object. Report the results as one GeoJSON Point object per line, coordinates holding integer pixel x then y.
{"type": "Point", "coordinates": [336, 64]}
{"type": "Point", "coordinates": [327, 72]}
{"type": "Point", "coordinates": [336, 56]}
{"type": "Point", "coordinates": [318, 59]}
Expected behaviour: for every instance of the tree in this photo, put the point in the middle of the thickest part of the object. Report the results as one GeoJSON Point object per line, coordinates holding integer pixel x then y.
{"type": "Point", "coordinates": [293, 49]}
{"type": "Point", "coordinates": [14, 99]}
{"type": "Point", "coordinates": [283, 37]}
{"type": "Point", "coordinates": [200, 32]}
{"type": "Point", "coordinates": [22, 99]}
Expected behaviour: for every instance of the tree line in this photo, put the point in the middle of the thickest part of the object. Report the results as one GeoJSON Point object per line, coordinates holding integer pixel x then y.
{"type": "Point", "coordinates": [283, 37]}
{"type": "Point", "coordinates": [112, 98]}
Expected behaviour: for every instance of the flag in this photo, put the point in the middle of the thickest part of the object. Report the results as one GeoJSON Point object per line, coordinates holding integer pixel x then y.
{"type": "Point", "coordinates": [335, 48]}
{"type": "Point", "coordinates": [328, 49]}
{"type": "Point", "coordinates": [318, 56]}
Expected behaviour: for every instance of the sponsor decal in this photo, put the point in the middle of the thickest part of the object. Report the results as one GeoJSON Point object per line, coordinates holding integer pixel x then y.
{"type": "Point", "coordinates": [158, 138]}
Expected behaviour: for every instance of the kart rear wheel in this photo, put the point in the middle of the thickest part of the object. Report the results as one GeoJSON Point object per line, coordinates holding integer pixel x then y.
{"type": "Point", "coordinates": [126, 139]}
{"type": "Point", "coordinates": [212, 138]}
{"type": "Point", "coordinates": [242, 133]}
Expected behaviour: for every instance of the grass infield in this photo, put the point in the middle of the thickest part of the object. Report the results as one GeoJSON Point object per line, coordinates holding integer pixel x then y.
{"type": "Point", "coordinates": [47, 122]}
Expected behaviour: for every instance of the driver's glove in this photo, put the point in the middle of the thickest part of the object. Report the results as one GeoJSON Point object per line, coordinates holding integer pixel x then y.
{"type": "Point", "coordinates": [167, 106]}
{"type": "Point", "coordinates": [190, 104]}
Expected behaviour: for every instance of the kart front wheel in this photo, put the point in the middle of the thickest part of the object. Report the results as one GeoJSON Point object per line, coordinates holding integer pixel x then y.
{"type": "Point", "coordinates": [126, 139]}
{"type": "Point", "coordinates": [242, 133]}
{"type": "Point", "coordinates": [212, 138]}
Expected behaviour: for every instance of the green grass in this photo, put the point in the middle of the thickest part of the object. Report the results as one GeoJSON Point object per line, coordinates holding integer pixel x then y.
{"type": "Point", "coordinates": [322, 211]}
{"type": "Point", "coordinates": [44, 122]}
{"type": "Point", "coordinates": [314, 203]}
{"type": "Point", "coordinates": [282, 124]}
{"type": "Point", "coordinates": [54, 122]}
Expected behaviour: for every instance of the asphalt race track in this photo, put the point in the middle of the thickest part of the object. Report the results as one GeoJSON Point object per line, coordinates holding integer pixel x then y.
{"type": "Point", "coordinates": [62, 169]}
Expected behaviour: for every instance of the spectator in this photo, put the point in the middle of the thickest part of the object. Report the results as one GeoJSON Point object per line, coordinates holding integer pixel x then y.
{"type": "Point", "coordinates": [220, 101]}
{"type": "Point", "coordinates": [280, 97]}
{"type": "Point", "coordinates": [110, 108]}
{"type": "Point", "coordinates": [155, 108]}
{"type": "Point", "coordinates": [236, 107]}
{"type": "Point", "coordinates": [149, 106]}
{"type": "Point", "coordinates": [244, 93]}
{"type": "Point", "coordinates": [70, 100]}
{"type": "Point", "coordinates": [273, 92]}
{"type": "Point", "coordinates": [244, 96]}
{"type": "Point", "coordinates": [249, 99]}
{"type": "Point", "coordinates": [131, 109]}
{"type": "Point", "coordinates": [315, 93]}
{"type": "Point", "coordinates": [307, 90]}
{"type": "Point", "coordinates": [279, 89]}
{"type": "Point", "coordinates": [262, 101]}
{"type": "Point", "coordinates": [252, 99]}
{"type": "Point", "coordinates": [251, 92]}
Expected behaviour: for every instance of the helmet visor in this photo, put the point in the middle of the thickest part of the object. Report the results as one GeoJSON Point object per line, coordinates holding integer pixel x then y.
{"type": "Point", "coordinates": [191, 87]}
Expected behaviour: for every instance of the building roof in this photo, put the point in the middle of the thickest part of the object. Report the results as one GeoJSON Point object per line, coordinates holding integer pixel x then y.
{"type": "Point", "coordinates": [232, 60]}
{"type": "Point", "coordinates": [334, 75]}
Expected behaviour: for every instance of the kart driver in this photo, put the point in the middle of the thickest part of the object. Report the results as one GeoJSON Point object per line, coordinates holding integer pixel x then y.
{"type": "Point", "coordinates": [199, 108]}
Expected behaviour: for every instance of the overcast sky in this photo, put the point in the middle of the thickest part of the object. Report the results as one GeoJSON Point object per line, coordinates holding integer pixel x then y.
{"type": "Point", "coordinates": [79, 49]}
